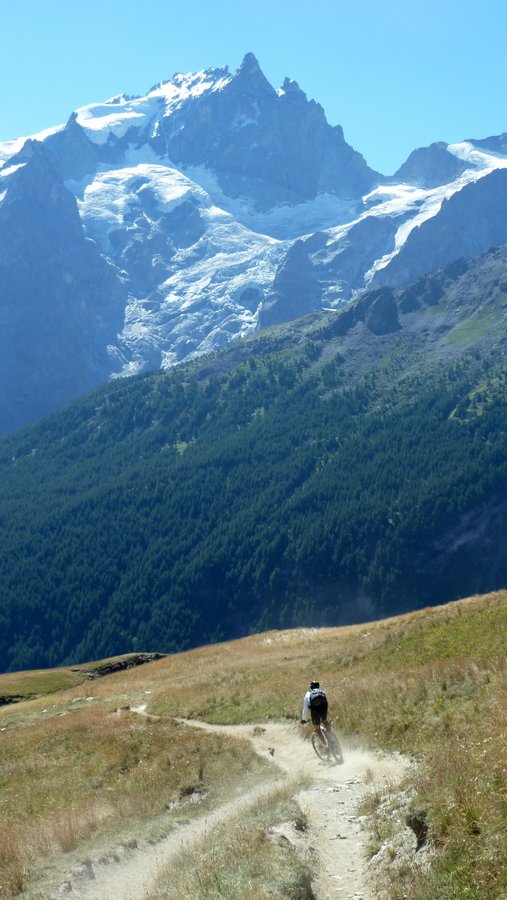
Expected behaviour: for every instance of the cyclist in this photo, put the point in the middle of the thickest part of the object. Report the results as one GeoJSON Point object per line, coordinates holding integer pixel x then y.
{"type": "Point", "coordinates": [315, 703]}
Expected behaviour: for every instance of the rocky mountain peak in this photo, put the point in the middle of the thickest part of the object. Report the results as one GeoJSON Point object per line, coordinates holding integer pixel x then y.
{"type": "Point", "coordinates": [266, 146]}
{"type": "Point", "coordinates": [250, 65]}
{"type": "Point", "coordinates": [250, 78]}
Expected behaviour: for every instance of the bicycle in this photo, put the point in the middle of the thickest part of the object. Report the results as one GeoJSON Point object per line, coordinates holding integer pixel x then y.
{"type": "Point", "coordinates": [329, 749]}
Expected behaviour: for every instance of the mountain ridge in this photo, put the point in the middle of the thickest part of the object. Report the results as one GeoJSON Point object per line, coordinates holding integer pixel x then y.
{"type": "Point", "coordinates": [198, 195]}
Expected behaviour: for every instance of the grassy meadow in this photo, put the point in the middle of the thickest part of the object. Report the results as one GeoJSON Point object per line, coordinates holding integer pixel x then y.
{"type": "Point", "coordinates": [79, 767]}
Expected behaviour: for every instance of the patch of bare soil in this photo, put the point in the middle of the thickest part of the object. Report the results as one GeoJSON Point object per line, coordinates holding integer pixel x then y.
{"type": "Point", "coordinates": [336, 834]}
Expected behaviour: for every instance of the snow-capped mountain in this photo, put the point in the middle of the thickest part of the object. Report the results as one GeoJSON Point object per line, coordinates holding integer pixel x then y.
{"type": "Point", "coordinates": [150, 229]}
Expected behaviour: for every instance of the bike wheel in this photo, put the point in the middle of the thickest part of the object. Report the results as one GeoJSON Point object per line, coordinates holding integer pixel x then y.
{"type": "Point", "coordinates": [334, 747]}
{"type": "Point", "coordinates": [322, 750]}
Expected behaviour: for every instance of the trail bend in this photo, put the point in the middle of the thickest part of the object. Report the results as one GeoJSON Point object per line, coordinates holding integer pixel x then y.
{"type": "Point", "coordinates": [335, 829]}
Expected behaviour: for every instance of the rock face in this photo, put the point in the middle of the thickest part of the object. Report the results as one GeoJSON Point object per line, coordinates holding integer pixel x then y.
{"type": "Point", "coordinates": [270, 147]}
{"type": "Point", "coordinates": [77, 156]}
{"type": "Point", "coordinates": [342, 262]}
{"type": "Point", "coordinates": [430, 167]}
{"type": "Point", "coordinates": [377, 308]}
{"type": "Point", "coordinates": [296, 289]}
{"type": "Point", "coordinates": [61, 303]}
{"type": "Point", "coordinates": [152, 229]}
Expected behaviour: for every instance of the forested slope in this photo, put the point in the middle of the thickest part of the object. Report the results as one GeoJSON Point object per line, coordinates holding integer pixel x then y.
{"type": "Point", "coordinates": [344, 467]}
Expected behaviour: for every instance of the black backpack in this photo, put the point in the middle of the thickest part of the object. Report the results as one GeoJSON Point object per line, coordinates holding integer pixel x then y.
{"type": "Point", "coordinates": [318, 699]}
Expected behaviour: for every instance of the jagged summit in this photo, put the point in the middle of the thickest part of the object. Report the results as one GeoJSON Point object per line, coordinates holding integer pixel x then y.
{"type": "Point", "coordinates": [267, 146]}
{"type": "Point", "coordinates": [250, 66]}
{"type": "Point", "coordinates": [251, 77]}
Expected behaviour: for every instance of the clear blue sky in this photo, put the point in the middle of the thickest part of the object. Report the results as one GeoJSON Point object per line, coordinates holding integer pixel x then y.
{"type": "Point", "coordinates": [396, 74]}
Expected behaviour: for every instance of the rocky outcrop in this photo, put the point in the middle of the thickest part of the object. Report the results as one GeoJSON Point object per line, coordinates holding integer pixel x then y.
{"type": "Point", "coordinates": [377, 309]}
{"type": "Point", "coordinates": [381, 312]}
{"type": "Point", "coordinates": [119, 665]}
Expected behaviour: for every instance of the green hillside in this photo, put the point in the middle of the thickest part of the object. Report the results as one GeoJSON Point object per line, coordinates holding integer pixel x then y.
{"type": "Point", "coordinates": [348, 466]}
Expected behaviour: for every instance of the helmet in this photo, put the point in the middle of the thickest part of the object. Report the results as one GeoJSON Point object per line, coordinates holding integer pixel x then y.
{"type": "Point", "coordinates": [314, 684]}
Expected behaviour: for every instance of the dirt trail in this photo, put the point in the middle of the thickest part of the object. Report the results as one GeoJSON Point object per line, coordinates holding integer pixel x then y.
{"type": "Point", "coordinates": [330, 803]}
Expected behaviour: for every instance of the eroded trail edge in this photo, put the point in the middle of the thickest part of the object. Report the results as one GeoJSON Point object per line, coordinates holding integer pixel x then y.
{"type": "Point", "coordinates": [336, 834]}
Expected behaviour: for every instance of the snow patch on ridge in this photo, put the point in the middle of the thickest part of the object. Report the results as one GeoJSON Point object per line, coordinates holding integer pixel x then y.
{"type": "Point", "coordinates": [9, 170]}
{"type": "Point", "coordinates": [11, 148]}
{"type": "Point", "coordinates": [101, 120]}
{"type": "Point", "coordinates": [185, 87]}
{"type": "Point", "coordinates": [475, 156]}
{"type": "Point", "coordinates": [115, 117]}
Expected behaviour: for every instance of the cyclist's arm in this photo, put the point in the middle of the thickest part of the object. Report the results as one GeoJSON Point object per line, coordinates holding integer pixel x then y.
{"type": "Point", "coordinates": [306, 707]}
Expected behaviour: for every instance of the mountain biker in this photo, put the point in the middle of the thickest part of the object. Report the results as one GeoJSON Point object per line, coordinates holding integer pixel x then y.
{"type": "Point", "coordinates": [315, 703]}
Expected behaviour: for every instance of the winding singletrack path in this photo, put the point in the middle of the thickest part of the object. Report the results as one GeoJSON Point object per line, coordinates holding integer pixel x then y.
{"type": "Point", "coordinates": [335, 831]}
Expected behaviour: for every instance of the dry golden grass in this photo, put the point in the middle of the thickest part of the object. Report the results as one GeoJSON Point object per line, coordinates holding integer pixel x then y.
{"type": "Point", "coordinates": [91, 774]}
{"type": "Point", "coordinates": [431, 683]}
